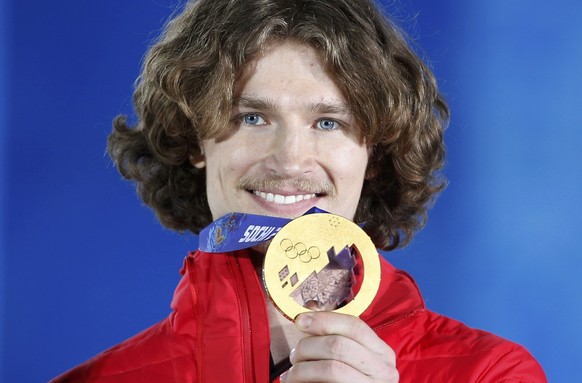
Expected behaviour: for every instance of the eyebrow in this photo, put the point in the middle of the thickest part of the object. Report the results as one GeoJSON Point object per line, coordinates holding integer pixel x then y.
{"type": "Point", "coordinates": [269, 105]}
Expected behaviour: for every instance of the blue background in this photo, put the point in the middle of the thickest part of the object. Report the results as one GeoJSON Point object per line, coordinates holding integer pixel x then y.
{"type": "Point", "coordinates": [84, 265]}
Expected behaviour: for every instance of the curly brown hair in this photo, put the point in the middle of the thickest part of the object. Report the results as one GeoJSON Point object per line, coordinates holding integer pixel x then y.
{"type": "Point", "coordinates": [185, 94]}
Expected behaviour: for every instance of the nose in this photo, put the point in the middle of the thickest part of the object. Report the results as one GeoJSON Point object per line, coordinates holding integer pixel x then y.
{"type": "Point", "coordinates": [292, 152]}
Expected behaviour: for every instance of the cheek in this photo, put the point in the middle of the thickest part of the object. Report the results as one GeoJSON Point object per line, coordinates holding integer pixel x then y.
{"type": "Point", "coordinates": [354, 172]}
{"type": "Point", "coordinates": [354, 164]}
{"type": "Point", "coordinates": [227, 161]}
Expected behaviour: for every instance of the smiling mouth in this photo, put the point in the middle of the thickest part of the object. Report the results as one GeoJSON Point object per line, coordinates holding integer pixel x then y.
{"type": "Point", "coordinates": [284, 199]}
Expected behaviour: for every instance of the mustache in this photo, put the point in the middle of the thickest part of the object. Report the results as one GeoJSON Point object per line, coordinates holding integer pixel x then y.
{"type": "Point", "coordinates": [274, 182]}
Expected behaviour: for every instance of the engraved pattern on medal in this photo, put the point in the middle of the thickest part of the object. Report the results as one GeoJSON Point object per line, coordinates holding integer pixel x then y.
{"type": "Point", "coordinates": [311, 265]}
{"type": "Point", "coordinates": [335, 230]}
{"type": "Point", "coordinates": [334, 221]}
{"type": "Point", "coordinates": [295, 251]}
{"type": "Point", "coordinates": [300, 250]}
{"type": "Point", "coordinates": [325, 289]}
{"type": "Point", "coordinates": [332, 229]}
{"type": "Point", "coordinates": [331, 286]}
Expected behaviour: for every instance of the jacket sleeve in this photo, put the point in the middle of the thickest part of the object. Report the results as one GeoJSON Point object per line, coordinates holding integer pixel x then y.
{"type": "Point", "coordinates": [514, 365]}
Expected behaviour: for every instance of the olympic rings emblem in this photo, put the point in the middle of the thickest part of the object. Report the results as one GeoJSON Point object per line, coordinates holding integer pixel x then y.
{"type": "Point", "coordinates": [300, 250]}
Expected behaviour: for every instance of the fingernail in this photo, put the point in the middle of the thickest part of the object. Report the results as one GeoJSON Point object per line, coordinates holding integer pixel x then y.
{"type": "Point", "coordinates": [283, 377]}
{"type": "Point", "coordinates": [304, 321]}
{"type": "Point", "coordinates": [291, 355]}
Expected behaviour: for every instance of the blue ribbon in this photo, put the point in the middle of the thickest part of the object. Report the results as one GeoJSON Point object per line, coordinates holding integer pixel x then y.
{"type": "Point", "coordinates": [235, 231]}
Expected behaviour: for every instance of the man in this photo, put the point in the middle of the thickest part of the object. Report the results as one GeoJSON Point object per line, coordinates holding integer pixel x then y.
{"type": "Point", "coordinates": [271, 108]}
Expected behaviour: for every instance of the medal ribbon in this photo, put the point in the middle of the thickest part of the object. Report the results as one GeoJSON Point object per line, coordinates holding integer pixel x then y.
{"type": "Point", "coordinates": [236, 231]}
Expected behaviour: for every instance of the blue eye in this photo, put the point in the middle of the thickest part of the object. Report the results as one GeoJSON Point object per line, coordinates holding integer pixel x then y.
{"type": "Point", "coordinates": [253, 119]}
{"type": "Point", "coordinates": [327, 124]}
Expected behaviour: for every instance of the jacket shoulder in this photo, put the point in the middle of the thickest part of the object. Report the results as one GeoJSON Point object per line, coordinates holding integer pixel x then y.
{"type": "Point", "coordinates": [430, 344]}
{"type": "Point", "coordinates": [154, 355]}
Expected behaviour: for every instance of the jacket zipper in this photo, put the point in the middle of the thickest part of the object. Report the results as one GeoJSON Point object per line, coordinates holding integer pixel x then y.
{"type": "Point", "coordinates": [249, 370]}
{"type": "Point", "coordinates": [190, 269]}
{"type": "Point", "coordinates": [397, 319]}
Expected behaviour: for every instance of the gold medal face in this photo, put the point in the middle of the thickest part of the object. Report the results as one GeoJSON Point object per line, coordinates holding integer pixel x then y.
{"type": "Point", "coordinates": [321, 261]}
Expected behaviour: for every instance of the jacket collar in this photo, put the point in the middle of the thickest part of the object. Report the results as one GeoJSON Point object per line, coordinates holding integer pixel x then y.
{"type": "Point", "coordinates": [397, 296]}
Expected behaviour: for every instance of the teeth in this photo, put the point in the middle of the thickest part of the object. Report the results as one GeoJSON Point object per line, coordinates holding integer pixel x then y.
{"type": "Point", "coordinates": [283, 200]}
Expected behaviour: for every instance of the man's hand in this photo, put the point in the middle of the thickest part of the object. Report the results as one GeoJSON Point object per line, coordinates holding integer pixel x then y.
{"type": "Point", "coordinates": [339, 348]}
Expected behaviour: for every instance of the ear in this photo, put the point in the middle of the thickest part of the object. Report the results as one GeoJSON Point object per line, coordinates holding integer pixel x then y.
{"type": "Point", "coordinates": [198, 160]}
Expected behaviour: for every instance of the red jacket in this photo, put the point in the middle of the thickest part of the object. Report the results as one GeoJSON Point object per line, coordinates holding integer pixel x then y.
{"type": "Point", "coordinates": [219, 332]}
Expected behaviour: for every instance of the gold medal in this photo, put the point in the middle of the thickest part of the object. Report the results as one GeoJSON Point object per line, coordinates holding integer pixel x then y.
{"type": "Point", "coordinates": [320, 262]}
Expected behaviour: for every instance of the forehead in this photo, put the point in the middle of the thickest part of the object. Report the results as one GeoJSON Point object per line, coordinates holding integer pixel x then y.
{"type": "Point", "coordinates": [288, 68]}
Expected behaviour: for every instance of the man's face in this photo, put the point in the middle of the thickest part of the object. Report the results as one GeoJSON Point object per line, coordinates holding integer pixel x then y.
{"type": "Point", "coordinates": [292, 143]}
